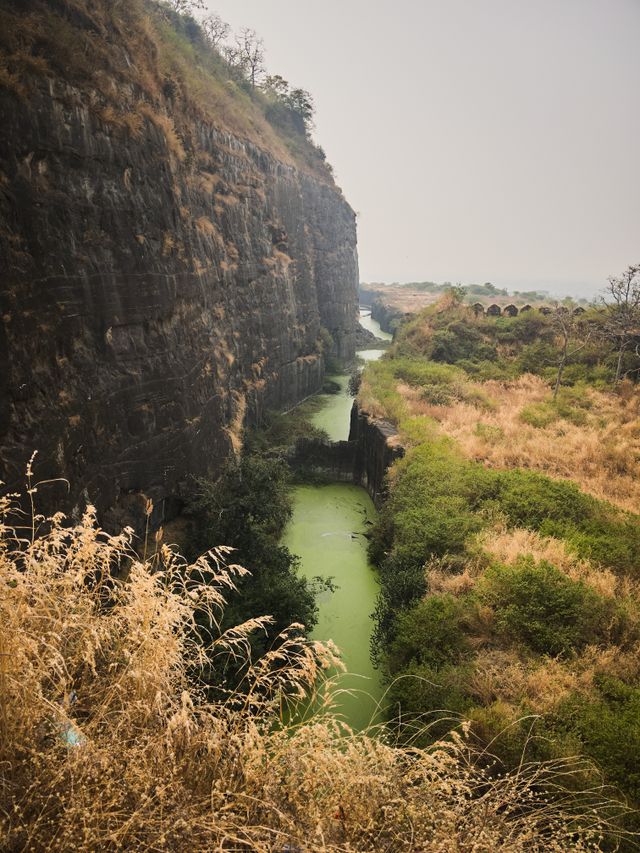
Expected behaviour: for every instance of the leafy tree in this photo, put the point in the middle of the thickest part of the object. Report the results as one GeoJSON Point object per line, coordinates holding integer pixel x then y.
{"type": "Point", "coordinates": [276, 85]}
{"type": "Point", "coordinates": [457, 294]}
{"type": "Point", "coordinates": [247, 508]}
{"type": "Point", "coordinates": [297, 102]}
{"type": "Point", "coordinates": [301, 103]}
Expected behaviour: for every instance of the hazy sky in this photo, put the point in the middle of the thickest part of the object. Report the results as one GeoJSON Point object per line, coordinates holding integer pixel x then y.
{"type": "Point", "coordinates": [478, 140]}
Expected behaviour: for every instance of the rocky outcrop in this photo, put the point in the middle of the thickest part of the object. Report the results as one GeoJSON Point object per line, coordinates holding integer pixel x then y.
{"type": "Point", "coordinates": [376, 449]}
{"type": "Point", "coordinates": [388, 316]}
{"type": "Point", "coordinates": [159, 291]}
{"type": "Point", "coordinates": [365, 339]}
{"type": "Point", "coordinates": [318, 459]}
{"type": "Point", "coordinates": [364, 459]}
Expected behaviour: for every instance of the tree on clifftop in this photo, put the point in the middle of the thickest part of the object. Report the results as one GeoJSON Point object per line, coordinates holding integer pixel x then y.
{"type": "Point", "coordinates": [297, 102]}
{"type": "Point", "coordinates": [247, 55]}
{"type": "Point", "coordinates": [622, 325]}
{"type": "Point", "coordinates": [186, 7]}
{"type": "Point", "coordinates": [215, 30]}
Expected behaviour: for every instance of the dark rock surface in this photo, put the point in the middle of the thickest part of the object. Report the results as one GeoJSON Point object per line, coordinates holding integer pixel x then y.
{"type": "Point", "coordinates": [388, 316]}
{"type": "Point", "coordinates": [334, 460]}
{"type": "Point", "coordinates": [364, 459]}
{"type": "Point", "coordinates": [375, 451]}
{"type": "Point", "coordinates": [365, 339]}
{"type": "Point", "coordinates": [151, 304]}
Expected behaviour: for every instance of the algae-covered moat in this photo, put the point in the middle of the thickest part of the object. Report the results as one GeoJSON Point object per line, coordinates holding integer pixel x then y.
{"type": "Point", "coordinates": [327, 531]}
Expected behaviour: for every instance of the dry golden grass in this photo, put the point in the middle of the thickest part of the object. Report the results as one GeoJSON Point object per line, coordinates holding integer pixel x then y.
{"type": "Point", "coordinates": [602, 455]}
{"type": "Point", "coordinates": [108, 740]}
{"type": "Point", "coordinates": [512, 676]}
{"type": "Point", "coordinates": [537, 685]}
{"type": "Point", "coordinates": [519, 682]}
{"type": "Point", "coordinates": [166, 126]}
{"type": "Point", "coordinates": [507, 546]}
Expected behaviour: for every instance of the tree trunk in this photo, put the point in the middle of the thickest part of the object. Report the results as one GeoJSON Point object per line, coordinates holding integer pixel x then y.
{"type": "Point", "coordinates": [561, 368]}
{"type": "Point", "coordinates": [619, 365]}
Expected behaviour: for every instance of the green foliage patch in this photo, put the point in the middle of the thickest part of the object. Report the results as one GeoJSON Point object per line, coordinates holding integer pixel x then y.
{"type": "Point", "coordinates": [540, 607]}
{"type": "Point", "coordinates": [247, 508]}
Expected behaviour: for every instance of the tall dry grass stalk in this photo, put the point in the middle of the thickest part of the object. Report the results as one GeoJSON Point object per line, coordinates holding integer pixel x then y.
{"type": "Point", "coordinates": [110, 740]}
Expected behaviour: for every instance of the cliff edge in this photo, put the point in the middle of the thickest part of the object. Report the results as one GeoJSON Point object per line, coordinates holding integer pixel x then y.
{"type": "Point", "coordinates": [170, 259]}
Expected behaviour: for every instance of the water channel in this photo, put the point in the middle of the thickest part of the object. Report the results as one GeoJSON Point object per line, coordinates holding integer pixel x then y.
{"type": "Point", "coordinates": [327, 531]}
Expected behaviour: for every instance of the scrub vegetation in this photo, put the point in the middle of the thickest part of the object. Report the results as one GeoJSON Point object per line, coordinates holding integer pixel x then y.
{"type": "Point", "coordinates": [151, 64]}
{"type": "Point", "coordinates": [509, 545]}
{"type": "Point", "coordinates": [119, 730]}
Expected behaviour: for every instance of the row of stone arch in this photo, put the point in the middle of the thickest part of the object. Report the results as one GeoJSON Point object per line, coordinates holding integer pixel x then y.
{"type": "Point", "coordinates": [513, 311]}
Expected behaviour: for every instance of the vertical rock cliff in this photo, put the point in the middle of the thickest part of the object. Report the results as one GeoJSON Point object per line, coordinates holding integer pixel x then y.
{"type": "Point", "coordinates": [168, 260]}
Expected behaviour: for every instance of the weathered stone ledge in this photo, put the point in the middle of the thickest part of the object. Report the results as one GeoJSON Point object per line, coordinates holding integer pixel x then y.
{"type": "Point", "coordinates": [363, 460]}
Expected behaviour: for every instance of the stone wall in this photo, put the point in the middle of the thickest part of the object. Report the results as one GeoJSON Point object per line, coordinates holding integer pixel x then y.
{"type": "Point", "coordinates": [364, 459]}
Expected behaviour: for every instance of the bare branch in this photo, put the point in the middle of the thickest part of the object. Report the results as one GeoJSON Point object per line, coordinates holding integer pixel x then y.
{"type": "Point", "coordinates": [215, 30]}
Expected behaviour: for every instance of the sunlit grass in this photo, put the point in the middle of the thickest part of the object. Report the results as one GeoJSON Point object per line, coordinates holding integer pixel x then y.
{"type": "Point", "coordinates": [110, 739]}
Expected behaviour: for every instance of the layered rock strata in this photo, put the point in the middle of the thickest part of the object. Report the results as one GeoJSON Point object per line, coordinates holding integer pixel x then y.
{"type": "Point", "coordinates": [157, 295]}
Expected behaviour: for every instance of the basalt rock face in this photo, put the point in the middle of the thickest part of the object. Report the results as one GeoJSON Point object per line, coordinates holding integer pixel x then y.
{"type": "Point", "coordinates": [367, 340]}
{"type": "Point", "coordinates": [155, 296]}
{"type": "Point", "coordinates": [333, 460]}
{"type": "Point", "coordinates": [375, 451]}
{"type": "Point", "coordinates": [364, 459]}
{"type": "Point", "coordinates": [388, 316]}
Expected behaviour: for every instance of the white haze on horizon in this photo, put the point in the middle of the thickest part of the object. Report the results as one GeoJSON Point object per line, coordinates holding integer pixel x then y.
{"type": "Point", "coordinates": [494, 141]}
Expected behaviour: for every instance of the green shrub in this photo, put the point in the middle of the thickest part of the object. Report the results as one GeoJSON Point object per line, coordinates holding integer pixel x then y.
{"type": "Point", "coordinates": [434, 502]}
{"type": "Point", "coordinates": [477, 397]}
{"type": "Point", "coordinates": [439, 395]}
{"type": "Point", "coordinates": [511, 733]}
{"type": "Point", "coordinates": [438, 527]}
{"type": "Point", "coordinates": [489, 432]}
{"type": "Point", "coordinates": [615, 544]}
{"type": "Point", "coordinates": [459, 340]}
{"type": "Point", "coordinates": [529, 499]}
{"type": "Point", "coordinates": [535, 357]}
{"type": "Point", "coordinates": [540, 607]}
{"type": "Point", "coordinates": [609, 730]}
{"type": "Point", "coordinates": [483, 370]}
{"type": "Point", "coordinates": [538, 415]}
{"type": "Point", "coordinates": [429, 633]}
{"type": "Point", "coordinates": [429, 702]}
{"type": "Point", "coordinates": [247, 508]}
{"type": "Point", "coordinates": [419, 372]}
{"type": "Point", "coordinates": [403, 582]}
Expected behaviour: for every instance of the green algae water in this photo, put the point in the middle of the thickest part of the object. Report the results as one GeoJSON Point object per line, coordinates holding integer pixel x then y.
{"type": "Point", "coordinates": [335, 414]}
{"type": "Point", "coordinates": [327, 533]}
